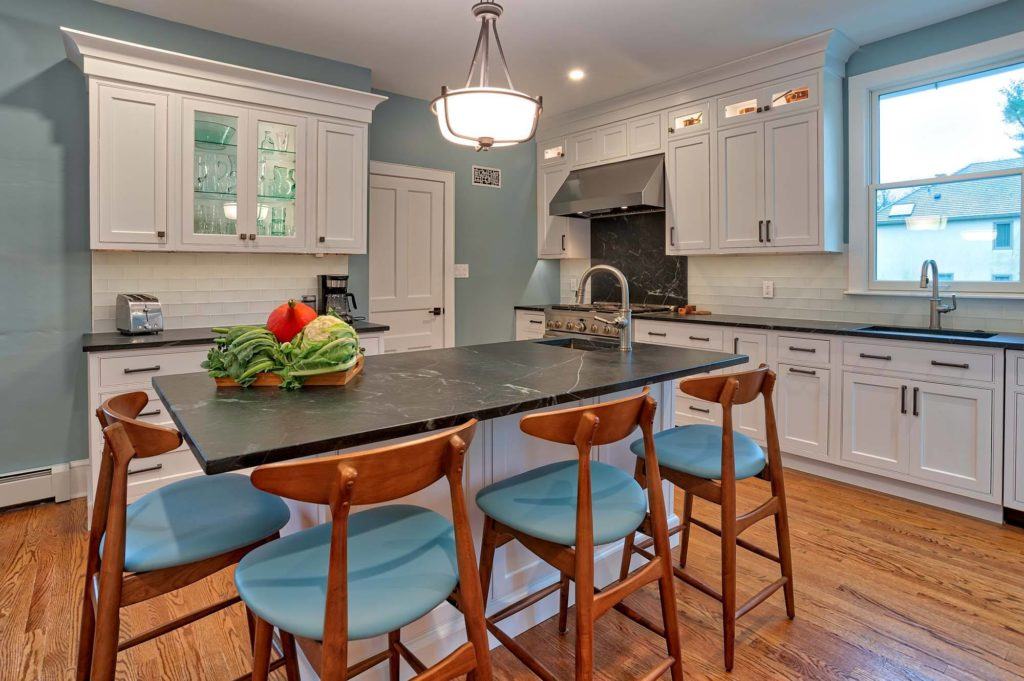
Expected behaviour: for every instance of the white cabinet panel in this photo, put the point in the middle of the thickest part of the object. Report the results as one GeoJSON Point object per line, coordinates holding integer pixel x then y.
{"type": "Point", "coordinates": [1015, 456]}
{"type": "Point", "coordinates": [552, 230]}
{"type": "Point", "coordinates": [341, 187]}
{"type": "Point", "coordinates": [741, 187]}
{"type": "Point", "coordinates": [791, 175]}
{"type": "Point", "coordinates": [132, 135]}
{"type": "Point", "coordinates": [874, 427]}
{"type": "Point", "coordinates": [279, 166]}
{"type": "Point", "coordinates": [529, 325]}
{"type": "Point", "coordinates": [646, 134]}
{"type": "Point", "coordinates": [691, 411]}
{"type": "Point", "coordinates": [689, 119]}
{"type": "Point", "coordinates": [951, 435]}
{"type": "Point", "coordinates": [748, 418]}
{"type": "Point", "coordinates": [585, 148]}
{"type": "Point", "coordinates": [612, 142]}
{"type": "Point", "coordinates": [688, 184]}
{"type": "Point", "coordinates": [803, 395]}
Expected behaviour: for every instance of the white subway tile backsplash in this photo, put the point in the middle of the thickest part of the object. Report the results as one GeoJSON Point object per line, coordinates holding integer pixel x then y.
{"type": "Point", "coordinates": [206, 289]}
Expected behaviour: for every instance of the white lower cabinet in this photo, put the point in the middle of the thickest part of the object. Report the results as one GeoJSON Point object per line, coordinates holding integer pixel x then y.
{"type": "Point", "coordinates": [1013, 493]}
{"type": "Point", "coordinates": [874, 427]}
{"type": "Point", "coordinates": [749, 418]}
{"type": "Point", "coordinates": [802, 413]}
{"type": "Point", "coordinates": [529, 325]}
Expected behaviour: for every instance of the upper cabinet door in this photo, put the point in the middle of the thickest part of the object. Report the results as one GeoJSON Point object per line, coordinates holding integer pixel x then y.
{"type": "Point", "coordinates": [741, 187]}
{"type": "Point", "coordinates": [584, 148]}
{"type": "Point", "coordinates": [551, 231]}
{"type": "Point", "coordinates": [341, 188]}
{"type": "Point", "coordinates": [130, 189]}
{"type": "Point", "coordinates": [792, 170]}
{"type": "Point", "coordinates": [217, 198]}
{"type": "Point", "coordinates": [553, 152]}
{"type": "Point", "coordinates": [688, 175]}
{"type": "Point", "coordinates": [612, 142]}
{"type": "Point", "coordinates": [646, 135]}
{"type": "Point", "coordinates": [688, 120]}
{"type": "Point", "coordinates": [279, 217]}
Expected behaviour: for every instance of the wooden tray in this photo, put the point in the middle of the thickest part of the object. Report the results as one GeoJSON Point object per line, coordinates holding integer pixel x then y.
{"type": "Point", "coordinates": [268, 380]}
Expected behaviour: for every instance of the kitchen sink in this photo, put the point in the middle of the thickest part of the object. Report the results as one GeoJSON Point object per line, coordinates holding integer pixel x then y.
{"type": "Point", "coordinates": [579, 344]}
{"type": "Point", "coordinates": [949, 333]}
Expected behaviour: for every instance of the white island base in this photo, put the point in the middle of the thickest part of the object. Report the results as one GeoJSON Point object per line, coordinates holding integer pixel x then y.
{"type": "Point", "coordinates": [499, 450]}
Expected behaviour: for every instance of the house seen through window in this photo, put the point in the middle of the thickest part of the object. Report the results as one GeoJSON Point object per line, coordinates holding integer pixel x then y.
{"type": "Point", "coordinates": [948, 174]}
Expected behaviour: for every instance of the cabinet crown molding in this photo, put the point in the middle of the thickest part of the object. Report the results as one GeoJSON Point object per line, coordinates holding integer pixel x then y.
{"type": "Point", "coordinates": [103, 57]}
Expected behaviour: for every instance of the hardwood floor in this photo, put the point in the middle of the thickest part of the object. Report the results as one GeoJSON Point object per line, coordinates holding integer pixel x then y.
{"type": "Point", "coordinates": [885, 589]}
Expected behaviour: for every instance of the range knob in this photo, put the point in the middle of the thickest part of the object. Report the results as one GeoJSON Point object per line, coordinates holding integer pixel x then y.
{"type": "Point", "coordinates": [593, 328]}
{"type": "Point", "coordinates": [558, 325]}
{"type": "Point", "coordinates": [608, 329]}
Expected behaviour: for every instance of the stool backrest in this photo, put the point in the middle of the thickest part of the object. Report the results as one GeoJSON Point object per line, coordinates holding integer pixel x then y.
{"type": "Point", "coordinates": [615, 421]}
{"type": "Point", "coordinates": [375, 476]}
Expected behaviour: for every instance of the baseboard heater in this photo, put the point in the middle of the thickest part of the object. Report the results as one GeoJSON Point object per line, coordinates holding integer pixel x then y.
{"type": "Point", "coordinates": [40, 484]}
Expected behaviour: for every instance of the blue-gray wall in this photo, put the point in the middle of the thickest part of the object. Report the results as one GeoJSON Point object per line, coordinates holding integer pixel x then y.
{"type": "Point", "coordinates": [44, 216]}
{"type": "Point", "coordinates": [495, 229]}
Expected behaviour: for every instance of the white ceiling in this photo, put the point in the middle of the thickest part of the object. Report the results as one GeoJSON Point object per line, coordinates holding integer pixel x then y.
{"type": "Point", "coordinates": [415, 46]}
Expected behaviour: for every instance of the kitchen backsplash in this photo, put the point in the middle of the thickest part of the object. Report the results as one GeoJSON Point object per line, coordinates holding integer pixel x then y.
{"type": "Point", "coordinates": [636, 245]}
{"type": "Point", "coordinates": [206, 289]}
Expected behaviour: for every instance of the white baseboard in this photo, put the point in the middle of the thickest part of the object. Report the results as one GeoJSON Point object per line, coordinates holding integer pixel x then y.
{"type": "Point", "coordinates": [59, 482]}
{"type": "Point", "coordinates": [897, 488]}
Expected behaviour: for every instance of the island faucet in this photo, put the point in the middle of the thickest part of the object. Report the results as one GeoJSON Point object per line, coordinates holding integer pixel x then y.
{"type": "Point", "coordinates": [623, 321]}
{"type": "Point", "coordinates": [936, 307]}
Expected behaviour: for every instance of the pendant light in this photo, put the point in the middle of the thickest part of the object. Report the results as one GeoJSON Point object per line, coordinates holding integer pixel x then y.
{"type": "Point", "coordinates": [480, 115]}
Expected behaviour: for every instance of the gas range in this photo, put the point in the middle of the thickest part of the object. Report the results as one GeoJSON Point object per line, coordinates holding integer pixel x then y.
{"type": "Point", "coordinates": [587, 320]}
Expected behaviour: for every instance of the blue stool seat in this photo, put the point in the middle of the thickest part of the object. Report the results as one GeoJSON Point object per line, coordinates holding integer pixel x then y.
{"type": "Point", "coordinates": [401, 565]}
{"type": "Point", "coordinates": [697, 450]}
{"type": "Point", "coordinates": [198, 518]}
{"type": "Point", "coordinates": [542, 502]}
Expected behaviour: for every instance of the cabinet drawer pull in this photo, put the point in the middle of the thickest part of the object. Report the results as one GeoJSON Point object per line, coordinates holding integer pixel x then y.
{"type": "Point", "coordinates": [147, 469]}
{"type": "Point", "coordinates": [760, 231]}
{"type": "Point", "coordinates": [887, 358]}
{"type": "Point", "coordinates": [903, 399]}
{"type": "Point", "coordinates": [768, 230]}
{"type": "Point", "coordinates": [699, 338]}
{"type": "Point", "coordinates": [672, 236]}
{"type": "Point", "coordinates": [797, 348]}
{"type": "Point", "coordinates": [700, 409]}
{"type": "Point", "coordinates": [563, 242]}
{"type": "Point", "coordinates": [736, 345]}
{"type": "Point", "coordinates": [536, 321]}
{"type": "Point", "coordinates": [952, 365]}
{"type": "Point", "coordinates": [657, 333]}
{"type": "Point", "coordinates": [805, 372]}
{"type": "Point", "coordinates": [142, 370]}
{"type": "Point", "coordinates": [155, 412]}
{"type": "Point", "coordinates": [916, 390]}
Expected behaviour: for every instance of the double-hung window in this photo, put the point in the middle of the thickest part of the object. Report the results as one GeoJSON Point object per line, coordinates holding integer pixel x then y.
{"type": "Point", "coordinates": [937, 166]}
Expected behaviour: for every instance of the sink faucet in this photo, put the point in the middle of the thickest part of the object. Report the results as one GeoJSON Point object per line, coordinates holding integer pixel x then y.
{"type": "Point", "coordinates": [937, 307]}
{"type": "Point", "coordinates": [624, 319]}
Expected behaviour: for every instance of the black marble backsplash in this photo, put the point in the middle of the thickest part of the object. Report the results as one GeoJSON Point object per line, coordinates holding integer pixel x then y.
{"type": "Point", "coordinates": [636, 245]}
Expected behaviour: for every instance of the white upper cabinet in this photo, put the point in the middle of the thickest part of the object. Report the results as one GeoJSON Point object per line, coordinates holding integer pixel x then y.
{"type": "Point", "coordinates": [129, 179]}
{"type": "Point", "coordinates": [791, 181]}
{"type": "Point", "coordinates": [688, 196]}
{"type": "Point", "coordinates": [557, 237]}
{"type": "Point", "coordinates": [553, 152]}
{"type": "Point", "coordinates": [585, 148]}
{"type": "Point", "coordinates": [612, 142]}
{"type": "Point", "coordinates": [689, 120]}
{"type": "Point", "coordinates": [741, 187]}
{"type": "Point", "coordinates": [778, 98]}
{"type": "Point", "coordinates": [193, 155]}
{"type": "Point", "coordinates": [601, 145]}
{"type": "Point", "coordinates": [646, 135]}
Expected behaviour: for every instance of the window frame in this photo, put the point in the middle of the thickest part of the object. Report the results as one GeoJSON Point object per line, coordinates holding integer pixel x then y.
{"type": "Point", "coordinates": [865, 90]}
{"type": "Point", "coordinates": [996, 224]}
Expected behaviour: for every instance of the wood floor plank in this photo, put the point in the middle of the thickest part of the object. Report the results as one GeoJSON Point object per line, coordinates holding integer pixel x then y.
{"type": "Point", "coordinates": [885, 589]}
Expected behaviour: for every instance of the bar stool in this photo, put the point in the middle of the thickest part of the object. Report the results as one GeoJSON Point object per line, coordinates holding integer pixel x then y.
{"type": "Point", "coordinates": [167, 539]}
{"type": "Point", "coordinates": [369, 573]}
{"type": "Point", "coordinates": [693, 458]}
{"type": "Point", "coordinates": [560, 511]}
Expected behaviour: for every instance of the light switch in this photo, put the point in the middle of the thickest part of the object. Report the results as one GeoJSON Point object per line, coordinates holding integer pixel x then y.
{"type": "Point", "coordinates": [767, 289]}
{"type": "Point", "coordinates": [462, 271]}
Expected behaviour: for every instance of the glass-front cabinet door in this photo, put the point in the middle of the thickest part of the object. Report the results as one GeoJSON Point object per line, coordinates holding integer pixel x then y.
{"type": "Point", "coordinates": [278, 217]}
{"type": "Point", "coordinates": [215, 197]}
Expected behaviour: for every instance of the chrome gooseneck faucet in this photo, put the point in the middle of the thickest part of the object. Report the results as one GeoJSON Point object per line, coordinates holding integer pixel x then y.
{"type": "Point", "coordinates": [623, 321]}
{"type": "Point", "coordinates": [936, 307]}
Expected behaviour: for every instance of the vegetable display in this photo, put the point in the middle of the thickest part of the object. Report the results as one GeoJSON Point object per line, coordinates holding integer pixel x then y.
{"type": "Point", "coordinates": [287, 320]}
{"type": "Point", "coordinates": [324, 345]}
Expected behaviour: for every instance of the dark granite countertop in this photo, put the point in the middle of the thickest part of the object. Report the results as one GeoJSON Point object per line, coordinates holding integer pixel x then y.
{"type": "Point", "coordinates": [1009, 341]}
{"type": "Point", "coordinates": [98, 342]}
{"type": "Point", "coordinates": [408, 393]}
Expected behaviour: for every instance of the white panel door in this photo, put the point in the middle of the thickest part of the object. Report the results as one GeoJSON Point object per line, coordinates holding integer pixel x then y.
{"type": "Point", "coordinates": [951, 435]}
{"type": "Point", "coordinates": [551, 230]}
{"type": "Point", "coordinates": [279, 165]}
{"type": "Point", "coordinates": [1015, 466]}
{"type": "Point", "coordinates": [748, 418]}
{"type": "Point", "coordinates": [875, 422]}
{"type": "Point", "coordinates": [612, 142]}
{"type": "Point", "coordinates": [407, 261]}
{"type": "Point", "coordinates": [132, 155]}
{"type": "Point", "coordinates": [689, 195]}
{"type": "Point", "coordinates": [803, 410]}
{"type": "Point", "coordinates": [584, 148]}
{"type": "Point", "coordinates": [646, 134]}
{"type": "Point", "coordinates": [791, 181]}
{"type": "Point", "coordinates": [741, 187]}
{"type": "Point", "coordinates": [340, 188]}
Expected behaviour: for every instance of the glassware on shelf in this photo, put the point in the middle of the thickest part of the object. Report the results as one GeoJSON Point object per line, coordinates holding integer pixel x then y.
{"type": "Point", "coordinates": [282, 140]}
{"type": "Point", "coordinates": [281, 184]}
{"type": "Point", "coordinates": [291, 183]}
{"type": "Point", "coordinates": [277, 221]}
{"type": "Point", "coordinates": [268, 141]}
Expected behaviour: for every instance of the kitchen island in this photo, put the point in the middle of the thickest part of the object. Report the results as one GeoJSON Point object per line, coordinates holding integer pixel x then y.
{"type": "Point", "coordinates": [406, 394]}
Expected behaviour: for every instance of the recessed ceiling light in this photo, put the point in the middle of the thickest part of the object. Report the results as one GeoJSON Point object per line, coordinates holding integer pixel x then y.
{"type": "Point", "coordinates": [577, 74]}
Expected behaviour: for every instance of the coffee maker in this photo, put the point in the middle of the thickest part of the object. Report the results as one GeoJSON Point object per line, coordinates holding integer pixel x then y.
{"type": "Point", "coordinates": [334, 296]}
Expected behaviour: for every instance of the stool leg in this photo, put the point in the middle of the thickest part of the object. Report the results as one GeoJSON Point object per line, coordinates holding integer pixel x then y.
{"type": "Point", "coordinates": [250, 621]}
{"type": "Point", "coordinates": [291, 659]}
{"type": "Point", "coordinates": [684, 538]}
{"type": "Point", "coordinates": [487, 547]}
{"type": "Point", "coordinates": [108, 626]}
{"type": "Point", "coordinates": [785, 555]}
{"type": "Point", "coordinates": [87, 631]}
{"type": "Point", "coordinates": [395, 660]}
{"type": "Point", "coordinates": [666, 590]}
{"type": "Point", "coordinates": [563, 604]}
{"type": "Point", "coordinates": [584, 620]}
{"type": "Point", "coordinates": [261, 650]}
{"type": "Point", "coordinates": [729, 579]}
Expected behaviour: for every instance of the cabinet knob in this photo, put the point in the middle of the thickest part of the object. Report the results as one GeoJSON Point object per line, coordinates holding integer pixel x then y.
{"type": "Point", "coordinates": [161, 234]}
{"type": "Point", "coordinates": [252, 237]}
{"type": "Point", "coordinates": [323, 239]}
{"type": "Point", "coordinates": [242, 236]}
{"type": "Point", "coordinates": [671, 130]}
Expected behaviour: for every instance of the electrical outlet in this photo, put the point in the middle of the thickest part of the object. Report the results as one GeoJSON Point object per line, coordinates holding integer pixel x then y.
{"type": "Point", "coordinates": [461, 271]}
{"type": "Point", "coordinates": [767, 289]}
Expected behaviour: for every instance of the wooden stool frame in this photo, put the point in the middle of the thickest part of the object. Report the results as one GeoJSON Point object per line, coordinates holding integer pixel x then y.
{"type": "Point", "coordinates": [729, 390]}
{"type": "Point", "coordinates": [107, 587]}
{"type": "Point", "coordinates": [372, 477]}
{"type": "Point", "coordinates": [585, 427]}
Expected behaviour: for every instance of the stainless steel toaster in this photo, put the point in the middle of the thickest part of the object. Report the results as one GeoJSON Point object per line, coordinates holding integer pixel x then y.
{"type": "Point", "coordinates": [138, 313]}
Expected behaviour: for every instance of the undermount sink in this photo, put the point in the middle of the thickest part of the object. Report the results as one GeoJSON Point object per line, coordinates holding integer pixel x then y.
{"type": "Point", "coordinates": [579, 344]}
{"type": "Point", "coordinates": [951, 333]}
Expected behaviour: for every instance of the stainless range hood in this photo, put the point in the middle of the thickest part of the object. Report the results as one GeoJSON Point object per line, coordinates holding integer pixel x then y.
{"type": "Point", "coordinates": [630, 186]}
